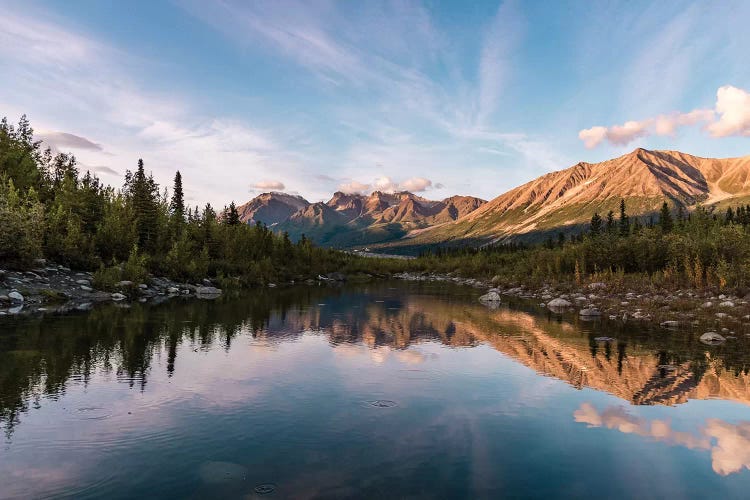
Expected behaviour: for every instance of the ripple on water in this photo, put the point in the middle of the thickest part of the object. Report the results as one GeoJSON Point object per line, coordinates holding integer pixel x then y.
{"type": "Point", "coordinates": [265, 488]}
{"type": "Point", "coordinates": [91, 413]}
{"type": "Point", "coordinates": [382, 403]}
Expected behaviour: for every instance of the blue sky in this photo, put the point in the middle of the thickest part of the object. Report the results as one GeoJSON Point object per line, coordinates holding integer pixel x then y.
{"type": "Point", "coordinates": [309, 97]}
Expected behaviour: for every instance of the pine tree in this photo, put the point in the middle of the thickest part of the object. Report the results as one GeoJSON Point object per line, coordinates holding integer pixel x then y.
{"type": "Point", "coordinates": [624, 220]}
{"type": "Point", "coordinates": [596, 224]}
{"type": "Point", "coordinates": [665, 218]}
{"type": "Point", "coordinates": [610, 221]}
{"type": "Point", "coordinates": [231, 215]}
{"type": "Point", "coordinates": [177, 204]}
{"type": "Point", "coordinates": [143, 195]}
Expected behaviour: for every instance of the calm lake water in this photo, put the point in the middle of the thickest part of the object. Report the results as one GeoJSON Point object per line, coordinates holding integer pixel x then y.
{"type": "Point", "coordinates": [385, 390]}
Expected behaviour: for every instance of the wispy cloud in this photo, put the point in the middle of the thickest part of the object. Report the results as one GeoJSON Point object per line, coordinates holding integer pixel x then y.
{"type": "Point", "coordinates": [66, 140]}
{"type": "Point", "coordinates": [730, 116]}
{"type": "Point", "coordinates": [269, 184]}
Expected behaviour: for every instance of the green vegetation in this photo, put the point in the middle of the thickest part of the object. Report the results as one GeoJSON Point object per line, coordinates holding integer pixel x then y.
{"type": "Point", "coordinates": [675, 250]}
{"type": "Point", "coordinates": [49, 210]}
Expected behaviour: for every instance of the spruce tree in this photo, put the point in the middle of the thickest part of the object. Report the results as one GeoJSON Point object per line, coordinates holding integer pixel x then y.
{"type": "Point", "coordinates": [610, 221]}
{"type": "Point", "coordinates": [596, 224]}
{"type": "Point", "coordinates": [624, 220]}
{"type": "Point", "coordinates": [177, 204]}
{"type": "Point", "coordinates": [665, 218]}
{"type": "Point", "coordinates": [232, 216]}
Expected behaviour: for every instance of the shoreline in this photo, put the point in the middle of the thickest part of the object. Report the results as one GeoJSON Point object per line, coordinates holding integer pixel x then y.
{"type": "Point", "coordinates": [723, 316]}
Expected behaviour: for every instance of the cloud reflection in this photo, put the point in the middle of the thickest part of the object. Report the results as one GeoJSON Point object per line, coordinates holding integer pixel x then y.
{"type": "Point", "coordinates": [728, 443]}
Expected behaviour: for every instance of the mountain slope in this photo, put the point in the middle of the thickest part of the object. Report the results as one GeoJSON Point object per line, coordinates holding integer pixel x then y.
{"type": "Point", "coordinates": [645, 179]}
{"type": "Point", "coordinates": [271, 208]}
{"type": "Point", "coordinates": [348, 220]}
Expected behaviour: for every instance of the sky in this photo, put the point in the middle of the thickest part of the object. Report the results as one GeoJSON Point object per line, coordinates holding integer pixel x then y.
{"type": "Point", "coordinates": [440, 98]}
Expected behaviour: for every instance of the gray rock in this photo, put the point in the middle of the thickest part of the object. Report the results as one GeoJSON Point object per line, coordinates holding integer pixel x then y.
{"type": "Point", "coordinates": [727, 303]}
{"type": "Point", "coordinates": [589, 312]}
{"type": "Point", "coordinates": [558, 303]}
{"type": "Point", "coordinates": [83, 282]}
{"type": "Point", "coordinates": [143, 286]}
{"type": "Point", "coordinates": [490, 298]}
{"type": "Point", "coordinates": [118, 297]}
{"type": "Point", "coordinates": [173, 290]}
{"type": "Point", "coordinates": [706, 305]}
{"type": "Point", "coordinates": [597, 286]}
{"type": "Point", "coordinates": [15, 297]}
{"type": "Point", "coordinates": [670, 324]}
{"type": "Point", "coordinates": [4, 298]}
{"type": "Point", "coordinates": [124, 284]}
{"type": "Point", "coordinates": [207, 292]}
{"type": "Point", "coordinates": [86, 288]}
{"type": "Point", "coordinates": [712, 338]}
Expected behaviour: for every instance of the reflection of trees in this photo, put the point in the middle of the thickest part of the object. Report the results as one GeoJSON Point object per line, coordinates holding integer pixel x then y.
{"type": "Point", "coordinates": [39, 355]}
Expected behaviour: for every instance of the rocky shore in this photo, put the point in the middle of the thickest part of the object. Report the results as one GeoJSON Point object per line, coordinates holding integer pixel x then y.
{"type": "Point", "coordinates": [715, 317]}
{"type": "Point", "coordinates": [58, 289]}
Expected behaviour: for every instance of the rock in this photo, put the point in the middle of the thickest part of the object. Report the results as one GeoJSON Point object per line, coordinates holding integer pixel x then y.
{"type": "Point", "coordinates": [15, 297]}
{"type": "Point", "coordinates": [207, 291]}
{"type": "Point", "coordinates": [173, 290]}
{"type": "Point", "coordinates": [118, 297]}
{"type": "Point", "coordinates": [86, 288]}
{"type": "Point", "coordinates": [598, 285]}
{"type": "Point", "coordinates": [336, 276]}
{"type": "Point", "coordinates": [721, 315]}
{"type": "Point", "coordinates": [589, 312]}
{"type": "Point", "coordinates": [558, 303]}
{"type": "Point", "coordinates": [40, 262]}
{"type": "Point", "coordinates": [490, 298]}
{"type": "Point", "coordinates": [706, 305]}
{"type": "Point", "coordinates": [712, 338]}
{"type": "Point", "coordinates": [83, 282]}
{"type": "Point", "coordinates": [727, 303]}
{"type": "Point", "coordinates": [143, 286]}
{"type": "Point", "coordinates": [604, 339]}
{"type": "Point", "coordinates": [4, 298]}
{"type": "Point", "coordinates": [670, 324]}
{"type": "Point", "coordinates": [124, 284]}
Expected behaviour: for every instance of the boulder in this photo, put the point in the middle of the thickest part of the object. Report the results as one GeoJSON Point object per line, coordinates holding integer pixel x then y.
{"type": "Point", "coordinates": [118, 297]}
{"type": "Point", "coordinates": [15, 297]}
{"type": "Point", "coordinates": [173, 290]}
{"type": "Point", "coordinates": [86, 288]}
{"type": "Point", "coordinates": [558, 303]}
{"type": "Point", "coordinates": [670, 324]}
{"type": "Point", "coordinates": [727, 303]}
{"type": "Point", "coordinates": [589, 312]}
{"type": "Point", "coordinates": [490, 298]}
{"type": "Point", "coordinates": [83, 282]}
{"type": "Point", "coordinates": [712, 338]}
{"type": "Point", "coordinates": [207, 291]}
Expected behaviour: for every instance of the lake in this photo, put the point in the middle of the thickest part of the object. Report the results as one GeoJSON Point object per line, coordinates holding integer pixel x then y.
{"type": "Point", "coordinates": [382, 390]}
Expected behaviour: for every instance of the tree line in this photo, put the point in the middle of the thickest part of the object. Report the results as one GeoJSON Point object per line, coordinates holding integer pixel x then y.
{"type": "Point", "coordinates": [49, 209]}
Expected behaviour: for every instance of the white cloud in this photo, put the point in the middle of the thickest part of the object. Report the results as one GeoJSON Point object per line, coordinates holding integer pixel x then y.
{"type": "Point", "coordinates": [266, 185]}
{"type": "Point", "coordinates": [388, 185]}
{"type": "Point", "coordinates": [732, 108]}
{"type": "Point", "coordinates": [385, 184]}
{"type": "Point", "coordinates": [354, 187]}
{"type": "Point", "coordinates": [416, 184]}
{"type": "Point", "coordinates": [59, 140]}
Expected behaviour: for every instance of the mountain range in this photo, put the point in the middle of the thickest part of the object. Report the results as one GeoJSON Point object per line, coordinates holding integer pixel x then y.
{"type": "Point", "coordinates": [348, 220]}
{"type": "Point", "coordinates": [563, 200]}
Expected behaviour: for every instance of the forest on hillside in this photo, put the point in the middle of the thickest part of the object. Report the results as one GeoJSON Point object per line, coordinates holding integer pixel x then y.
{"type": "Point", "coordinates": [50, 209]}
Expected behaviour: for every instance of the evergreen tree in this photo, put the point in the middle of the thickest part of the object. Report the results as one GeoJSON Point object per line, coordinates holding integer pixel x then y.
{"type": "Point", "coordinates": [610, 221]}
{"type": "Point", "coordinates": [231, 215]}
{"type": "Point", "coordinates": [596, 224]}
{"type": "Point", "coordinates": [665, 218]}
{"type": "Point", "coordinates": [624, 220]}
{"type": "Point", "coordinates": [177, 204]}
{"type": "Point", "coordinates": [143, 194]}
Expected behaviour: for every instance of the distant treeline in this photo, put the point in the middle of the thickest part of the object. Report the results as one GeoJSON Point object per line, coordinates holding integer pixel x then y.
{"type": "Point", "coordinates": [676, 249]}
{"type": "Point", "coordinates": [48, 209]}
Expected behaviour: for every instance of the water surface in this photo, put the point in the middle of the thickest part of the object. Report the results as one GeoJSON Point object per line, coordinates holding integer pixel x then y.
{"type": "Point", "coordinates": [382, 390]}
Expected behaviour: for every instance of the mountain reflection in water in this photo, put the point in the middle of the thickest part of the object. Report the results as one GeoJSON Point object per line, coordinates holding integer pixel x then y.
{"type": "Point", "coordinates": [41, 357]}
